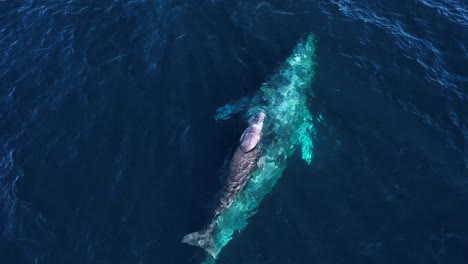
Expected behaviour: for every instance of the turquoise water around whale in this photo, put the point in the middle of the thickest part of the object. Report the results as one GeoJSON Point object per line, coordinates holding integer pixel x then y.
{"type": "Point", "coordinates": [110, 152]}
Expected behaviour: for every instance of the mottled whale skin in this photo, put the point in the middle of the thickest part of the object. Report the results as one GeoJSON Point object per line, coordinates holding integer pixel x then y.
{"type": "Point", "coordinates": [240, 167]}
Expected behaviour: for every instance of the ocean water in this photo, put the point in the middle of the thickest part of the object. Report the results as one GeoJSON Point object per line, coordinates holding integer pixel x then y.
{"type": "Point", "coordinates": [110, 152]}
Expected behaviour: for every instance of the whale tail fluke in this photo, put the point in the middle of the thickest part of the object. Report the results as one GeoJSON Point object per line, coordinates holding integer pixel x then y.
{"type": "Point", "coordinates": [203, 239]}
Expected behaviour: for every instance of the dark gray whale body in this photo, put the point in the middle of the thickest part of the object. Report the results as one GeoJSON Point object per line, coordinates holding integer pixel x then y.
{"type": "Point", "coordinates": [240, 167]}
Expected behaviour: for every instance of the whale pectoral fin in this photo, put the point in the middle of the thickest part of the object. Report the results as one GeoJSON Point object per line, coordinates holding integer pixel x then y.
{"type": "Point", "coordinates": [225, 112]}
{"type": "Point", "coordinates": [305, 140]}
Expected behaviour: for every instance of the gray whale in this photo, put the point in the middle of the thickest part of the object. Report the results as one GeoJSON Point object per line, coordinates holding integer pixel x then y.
{"type": "Point", "coordinates": [240, 167]}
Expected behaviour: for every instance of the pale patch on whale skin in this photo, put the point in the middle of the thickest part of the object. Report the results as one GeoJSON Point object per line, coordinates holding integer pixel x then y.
{"type": "Point", "coordinates": [252, 134]}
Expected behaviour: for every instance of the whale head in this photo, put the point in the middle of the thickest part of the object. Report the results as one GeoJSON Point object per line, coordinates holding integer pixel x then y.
{"type": "Point", "coordinates": [252, 135]}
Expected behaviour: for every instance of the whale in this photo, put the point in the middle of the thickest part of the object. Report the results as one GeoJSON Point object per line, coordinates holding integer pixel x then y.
{"type": "Point", "coordinates": [284, 98]}
{"type": "Point", "coordinates": [242, 162]}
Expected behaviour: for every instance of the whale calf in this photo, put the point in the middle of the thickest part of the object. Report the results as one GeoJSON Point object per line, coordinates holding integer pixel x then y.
{"type": "Point", "coordinates": [252, 134]}
{"type": "Point", "coordinates": [240, 167]}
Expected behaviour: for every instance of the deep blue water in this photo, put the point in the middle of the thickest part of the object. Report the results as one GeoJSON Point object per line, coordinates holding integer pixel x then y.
{"type": "Point", "coordinates": [110, 153]}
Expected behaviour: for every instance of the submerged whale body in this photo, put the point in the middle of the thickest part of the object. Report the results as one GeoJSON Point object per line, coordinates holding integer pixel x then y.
{"type": "Point", "coordinates": [240, 167]}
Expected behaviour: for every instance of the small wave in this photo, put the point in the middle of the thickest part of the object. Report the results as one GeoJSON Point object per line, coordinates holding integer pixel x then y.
{"type": "Point", "coordinates": [423, 50]}
{"type": "Point", "coordinates": [10, 135]}
{"type": "Point", "coordinates": [455, 11]}
{"type": "Point", "coordinates": [9, 176]}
